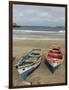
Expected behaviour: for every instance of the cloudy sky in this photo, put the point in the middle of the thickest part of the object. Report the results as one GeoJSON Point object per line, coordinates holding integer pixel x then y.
{"type": "Point", "coordinates": [38, 15]}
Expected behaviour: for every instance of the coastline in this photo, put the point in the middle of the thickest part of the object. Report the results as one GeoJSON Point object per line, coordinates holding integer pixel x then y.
{"type": "Point", "coordinates": [38, 39]}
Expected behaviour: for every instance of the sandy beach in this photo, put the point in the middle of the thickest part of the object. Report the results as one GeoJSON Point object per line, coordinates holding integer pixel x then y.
{"type": "Point", "coordinates": [42, 75]}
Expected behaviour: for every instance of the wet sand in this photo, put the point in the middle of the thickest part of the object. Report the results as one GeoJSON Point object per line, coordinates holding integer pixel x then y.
{"type": "Point", "coordinates": [42, 75]}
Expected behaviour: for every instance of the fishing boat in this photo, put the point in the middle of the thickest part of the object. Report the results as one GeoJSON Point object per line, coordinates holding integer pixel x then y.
{"type": "Point", "coordinates": [54, 58]}
{"type": "Point", "coordinates": [28, 63]}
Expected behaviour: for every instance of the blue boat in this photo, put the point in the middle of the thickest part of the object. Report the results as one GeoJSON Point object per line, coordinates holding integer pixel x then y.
{"type": "Point", "coordinates": [29, 62]}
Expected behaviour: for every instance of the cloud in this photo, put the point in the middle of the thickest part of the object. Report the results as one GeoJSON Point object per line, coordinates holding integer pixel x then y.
{"type": "Point", "coordinates": [44, 14]}
{"type": "Point", "coordinates": [38, 15]}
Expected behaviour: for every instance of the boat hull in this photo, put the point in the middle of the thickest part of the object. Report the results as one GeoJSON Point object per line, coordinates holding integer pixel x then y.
{"type": "Point", "coordinates": [53, 66]}
{"type": "Point", "coordinates": [25, 73]}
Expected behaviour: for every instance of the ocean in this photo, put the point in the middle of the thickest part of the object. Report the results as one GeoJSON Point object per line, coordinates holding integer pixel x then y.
{"type": "Point", "coordinates": [38, 32]}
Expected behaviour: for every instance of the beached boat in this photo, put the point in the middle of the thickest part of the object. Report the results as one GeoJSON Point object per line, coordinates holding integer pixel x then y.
{"type": "Point", "coordinates": [54, 58]}
{"type": "Point", "coordinates": [29, 62]}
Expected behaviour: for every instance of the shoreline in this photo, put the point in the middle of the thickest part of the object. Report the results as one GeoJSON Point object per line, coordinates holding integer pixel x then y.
{"type": "Point", "coordinates": [38, 39]}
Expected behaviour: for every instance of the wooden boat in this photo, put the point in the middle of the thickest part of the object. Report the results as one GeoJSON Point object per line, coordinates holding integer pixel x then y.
{"type": "Point", "coordinates": [54, 58]}
{"type": "Point", "coordinates": [29, 63]}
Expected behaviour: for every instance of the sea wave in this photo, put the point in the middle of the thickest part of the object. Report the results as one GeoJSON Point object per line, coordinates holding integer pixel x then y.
{"type": "Point", "coordinates": [36, 31]}
{"type": "Point", "coordinates": [15, 38]}
{"type": "Point", "coordinates": [61, 31]}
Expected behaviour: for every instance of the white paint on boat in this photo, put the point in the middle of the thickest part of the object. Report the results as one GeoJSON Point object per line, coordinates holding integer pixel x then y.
{"type": "Point", "coordinates": [55, 64]}
{"type": "Point", "coordinates": [20, 70]}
